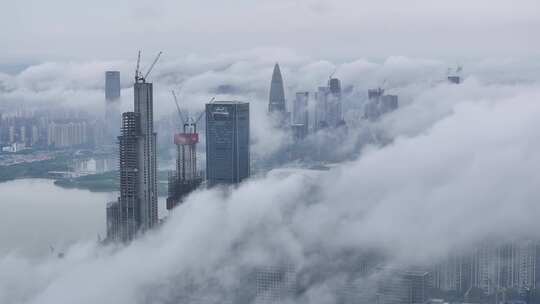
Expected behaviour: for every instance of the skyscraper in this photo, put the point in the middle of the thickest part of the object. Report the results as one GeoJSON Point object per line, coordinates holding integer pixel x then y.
{"type": "Point", "coordinates": [379, 104]}
{"type": "Point", "coordinates": [300, 108]}
{"type": "Point", "coordinates": [277, 93]}
{"type": "Point", "coordinates": [143, 93]}
{"type": "Point", "coordinates": [333, 100]}
{"type": "Point", "coordinates": [112, 86]}
{"type": "Point", "coordinates": [112, 104]}
{"type": "Point", "coordinates": [300, 117]}
{"type": "Point", "coordinates": [227, 142]}
{"type": "Point", "coordinates": [137, 204]}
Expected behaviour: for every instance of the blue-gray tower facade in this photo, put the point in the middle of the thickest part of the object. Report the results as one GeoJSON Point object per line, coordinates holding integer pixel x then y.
{"type": "Point", "coordinates": [227, 142]}
{"type": "Point", "coordinates": [276, 103]}
{"type": "Point", "coordinates": [112, 105]}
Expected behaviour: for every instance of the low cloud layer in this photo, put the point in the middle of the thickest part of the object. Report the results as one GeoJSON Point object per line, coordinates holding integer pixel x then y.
{"type": "Point", "coordinates": [461, 168]}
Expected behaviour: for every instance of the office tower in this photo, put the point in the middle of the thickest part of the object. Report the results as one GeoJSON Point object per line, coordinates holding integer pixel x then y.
{"type": "Point", "coordinates": [112, 104]}
{"type": "Point", "coordinates": [300, 108]}
{"type": "Point", "coordinates": [328, 105]}
{"type": "Point", "coordinates": [227, 142]}
{"type": "Point", "coordinates": [277, 93]}
{"type": "Point", "coordinates": [321, 108]}
{"type": "Point", "coordinates": [300, 117]}
{"type": "Point", "coordinates": [379, 104]}
{"type": "Point", "coordinates": [334, 114]}
{"type": "Point", "coordinates": [112, 86]}
{"type": "Point", "coordinates": [275, 284]}
{"type": "Point", "coordinates": [186, 178]}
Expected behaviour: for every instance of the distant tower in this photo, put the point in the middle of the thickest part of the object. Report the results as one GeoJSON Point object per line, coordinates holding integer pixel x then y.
{"type": "Point", "coordinates": [137, 204]}
{"type": "Point", "coordinates": [277, 93]}
{"type": "Point", "coordinates": [227, 142]}
{"type": "Point", "coordinates": [112, 104]}
{"type": "Point", "coordinates": [300, 117]}
{"type": "Point", "coordinates": [112, 86]}
{"type": "Point", "coordinates": [379, 104]}
{"type": "Point", "coordinates": [454, 75]}
{"type": "Point", "coordinates": [334, 108]}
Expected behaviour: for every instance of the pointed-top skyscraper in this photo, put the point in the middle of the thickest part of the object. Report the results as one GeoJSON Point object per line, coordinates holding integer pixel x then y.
{"type": "Point", "coordinates": [277, 93]}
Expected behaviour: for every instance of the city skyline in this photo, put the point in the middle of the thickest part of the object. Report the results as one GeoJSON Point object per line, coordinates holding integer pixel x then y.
{"type": "Point", "coordinates": [312, 152]}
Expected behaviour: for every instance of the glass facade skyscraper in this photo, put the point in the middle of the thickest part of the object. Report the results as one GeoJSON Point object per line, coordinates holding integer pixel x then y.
{"type": "Point", "coordinates": [227, 142]}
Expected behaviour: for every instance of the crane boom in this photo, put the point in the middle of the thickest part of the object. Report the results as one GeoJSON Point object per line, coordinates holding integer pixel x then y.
{"type": "Point", "coordinates": [202, 113]}
{"type": "Point", "coordinates": [137, 72]}
{"type": "Point", "coordinates": [332, 75]}
{"type": "Point", "coordinates": [152, 65]}
{"type": "Point", "coordinates": [184, 121]}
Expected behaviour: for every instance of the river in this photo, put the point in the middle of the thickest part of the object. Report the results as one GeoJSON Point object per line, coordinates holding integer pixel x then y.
{"type": "Point", "coordinates": [35, 215]}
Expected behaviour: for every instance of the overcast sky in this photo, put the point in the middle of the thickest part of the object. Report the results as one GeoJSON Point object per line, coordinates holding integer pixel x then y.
{"type": "Point", "coordinates": [36, 30]}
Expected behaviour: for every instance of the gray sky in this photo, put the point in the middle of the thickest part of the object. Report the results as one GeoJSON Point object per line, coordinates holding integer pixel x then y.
{"type": "Point", "coordinates": [35, 30]}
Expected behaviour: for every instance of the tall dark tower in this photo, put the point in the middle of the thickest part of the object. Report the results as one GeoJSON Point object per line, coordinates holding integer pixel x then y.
{"type": "Point", "coordinates": [277, 93]}
{"type": "Point", "coordinates": [227, 142]}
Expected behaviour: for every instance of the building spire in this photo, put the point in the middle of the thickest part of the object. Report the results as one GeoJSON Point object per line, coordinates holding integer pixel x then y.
{"type": "Point", "coordinates": [277, 93]}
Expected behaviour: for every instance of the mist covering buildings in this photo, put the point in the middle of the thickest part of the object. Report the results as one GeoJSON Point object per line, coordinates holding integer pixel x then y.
{"type": "Point", "coordinates": [397, 199]}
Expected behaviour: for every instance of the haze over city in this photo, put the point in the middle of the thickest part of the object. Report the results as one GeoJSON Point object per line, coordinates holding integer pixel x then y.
{"type": "Point", "coordinates": [270, 151]}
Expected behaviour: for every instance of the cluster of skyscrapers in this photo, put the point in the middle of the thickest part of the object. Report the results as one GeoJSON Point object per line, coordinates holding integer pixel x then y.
{"type": "Point", "coordinates": [490, 268]}
{"type": "Point", "coordinates": [227, 160]}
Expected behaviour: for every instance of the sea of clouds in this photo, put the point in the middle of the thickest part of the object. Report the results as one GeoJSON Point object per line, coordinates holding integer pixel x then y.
{"type": "Point", "coordinates": [462, 167]}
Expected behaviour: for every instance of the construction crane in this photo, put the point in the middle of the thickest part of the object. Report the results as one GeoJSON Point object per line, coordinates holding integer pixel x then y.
{"type": "Point", "coordinates": [186, 178]}
{"type": "Point", "coordinates": [332, 74]}
{"type": "Point", "coordinates": [138, 65]}
{"type": "Point", "coordinates": [180, 114]}
{"type": "Point", "coordinates": [138, 74]}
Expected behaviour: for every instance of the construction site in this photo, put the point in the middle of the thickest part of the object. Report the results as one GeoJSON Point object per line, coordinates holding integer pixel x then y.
{"type": "Point", "coordinates": [186, 178]}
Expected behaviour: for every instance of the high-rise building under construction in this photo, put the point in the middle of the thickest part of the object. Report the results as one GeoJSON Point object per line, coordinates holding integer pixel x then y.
{"type": "Point", "coordinates": [186, 178]}
{"type": "Point", "coordinates": [137, 205]}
